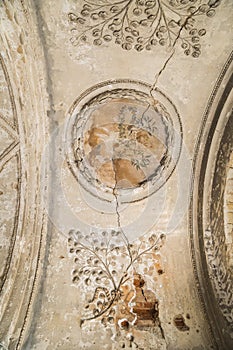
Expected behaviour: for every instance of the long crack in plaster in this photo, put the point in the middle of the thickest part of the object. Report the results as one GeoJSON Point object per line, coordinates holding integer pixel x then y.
{"type": "Point", "coordinates": [118, 214]}
{"type": "Point", "coordinates": [157, 76]}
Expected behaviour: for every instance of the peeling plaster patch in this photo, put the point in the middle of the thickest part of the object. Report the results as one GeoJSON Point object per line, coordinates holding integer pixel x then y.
{"type": "Point", "coordinates": [180, 324]}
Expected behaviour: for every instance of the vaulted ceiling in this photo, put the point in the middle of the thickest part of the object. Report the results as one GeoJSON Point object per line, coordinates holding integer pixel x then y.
{"type": "Point", "coordinates": [116, 169]}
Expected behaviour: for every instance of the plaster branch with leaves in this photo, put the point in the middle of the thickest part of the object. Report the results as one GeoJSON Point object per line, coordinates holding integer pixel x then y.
{"type": "Point", "coordinates": [142, 24]}
{"type": "Point", "coordinates": [104, 263]}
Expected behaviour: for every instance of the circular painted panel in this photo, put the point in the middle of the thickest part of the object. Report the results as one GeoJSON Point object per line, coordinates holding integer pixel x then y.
{"type": "Point", "coordinates": [123, 140]}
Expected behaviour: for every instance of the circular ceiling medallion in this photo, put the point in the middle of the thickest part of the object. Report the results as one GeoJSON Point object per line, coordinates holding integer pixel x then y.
{"type": "Point", "coordinates": [123, 140]}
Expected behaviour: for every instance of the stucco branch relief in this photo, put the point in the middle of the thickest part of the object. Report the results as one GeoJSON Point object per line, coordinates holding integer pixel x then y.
{"type": "Point", "coordinates": [101, 108]}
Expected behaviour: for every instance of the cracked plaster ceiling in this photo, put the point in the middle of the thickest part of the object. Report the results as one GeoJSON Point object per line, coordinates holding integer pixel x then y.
{"type": "Point", "coordinates": [116, 174]}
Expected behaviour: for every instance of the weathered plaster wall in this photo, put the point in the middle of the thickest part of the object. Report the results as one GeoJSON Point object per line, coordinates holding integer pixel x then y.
{"type": "Point", "coordinates": [93, 263]}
